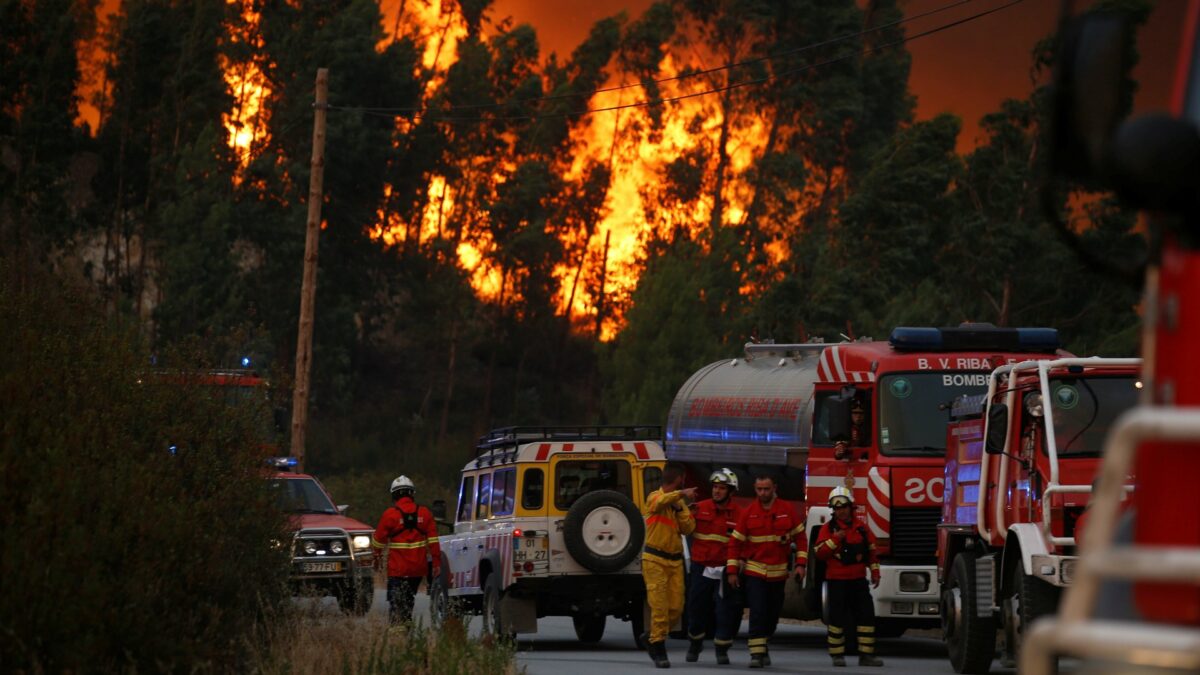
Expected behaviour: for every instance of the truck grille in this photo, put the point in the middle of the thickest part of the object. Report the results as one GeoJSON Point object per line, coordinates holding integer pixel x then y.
{"type": "Point", "coordinates": [914, 534]}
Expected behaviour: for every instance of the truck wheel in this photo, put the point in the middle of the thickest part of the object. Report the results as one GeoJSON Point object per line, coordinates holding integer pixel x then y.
{"type": "Point", "coordinates": [1032, 598]}
{"type": "Point", "coordinates": [355, 598]}
{"type": "Point", "coordinates": [589, 627]}
{"type": "Point", "coordinates": [492, 621]}
{"type": "Point", "coordinates": [603, 531]}
{"type": "Point", "coordinates": [970, 638]}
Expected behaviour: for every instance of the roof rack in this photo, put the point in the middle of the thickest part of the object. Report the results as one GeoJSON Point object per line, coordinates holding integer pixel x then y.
{"type": "Point", "coordinates": [512, 436]}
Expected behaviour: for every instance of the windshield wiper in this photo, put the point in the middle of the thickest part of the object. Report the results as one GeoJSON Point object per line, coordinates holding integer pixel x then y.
{"type": "Point", "coordinates": [917, 450]}
{"type": "Point", "coordinates": [324, 511]}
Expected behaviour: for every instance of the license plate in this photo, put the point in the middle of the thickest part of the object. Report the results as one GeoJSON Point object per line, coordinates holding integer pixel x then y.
{"type": "Point", "coordinates": [322, 567]}
{"type": "Point", "coordinates": [531, 549]}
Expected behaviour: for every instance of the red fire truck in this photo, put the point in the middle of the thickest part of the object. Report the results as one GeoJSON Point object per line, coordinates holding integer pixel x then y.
{"type": "Point", "coordinates": [1020, 461]}
{"type": "Point", "coordinates": [782, 409]}
{"type": "Point", "coordinates": [1154, 550]}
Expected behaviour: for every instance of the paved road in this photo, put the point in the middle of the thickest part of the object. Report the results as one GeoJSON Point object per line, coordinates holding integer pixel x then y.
{"type": "Point", "coordinates": [796, 648]}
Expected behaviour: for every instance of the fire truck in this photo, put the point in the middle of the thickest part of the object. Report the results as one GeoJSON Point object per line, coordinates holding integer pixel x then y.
{"type": "Point", "coordinates": [782, 409]}
{"type": "Point", "coordinates": [1020, 461]}
{"type": "Point", "coordinates": [1151, 551]}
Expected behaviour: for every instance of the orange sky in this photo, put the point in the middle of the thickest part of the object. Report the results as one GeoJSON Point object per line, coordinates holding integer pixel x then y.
{"type": "Point", "coordinates": [966, 70]}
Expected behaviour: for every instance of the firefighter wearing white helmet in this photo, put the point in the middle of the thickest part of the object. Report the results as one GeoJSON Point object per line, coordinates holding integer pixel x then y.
{"type": "Point", "coordinates": [711, 608]}
{"type": "Point", "coordinates": [409, 535]}
{"type": "Point", "coordinates": [848, 549]}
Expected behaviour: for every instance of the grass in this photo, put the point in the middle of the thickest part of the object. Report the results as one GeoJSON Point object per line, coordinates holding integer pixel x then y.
{"type": "Point", "coordinates": [313, 638]}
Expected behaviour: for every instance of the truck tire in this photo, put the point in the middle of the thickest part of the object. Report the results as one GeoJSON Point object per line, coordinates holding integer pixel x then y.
{"type": "Point", "coordinates": [970, 639]}
{"type": "Point", "coordinates": [355, 597]}
{"type": "Point", "coordinates": [1032, 598]}
{"type": "Point", "coordinates": [603, 531]}
{"type": "Point", "coordinates": [589, 628]}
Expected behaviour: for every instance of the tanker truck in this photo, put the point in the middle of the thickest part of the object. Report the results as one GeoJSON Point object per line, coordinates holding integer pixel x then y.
{"type": "Point", "coordinates": [785, 410]}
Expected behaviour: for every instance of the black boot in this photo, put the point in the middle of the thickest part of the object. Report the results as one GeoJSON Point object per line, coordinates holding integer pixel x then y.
{"type": "Point", "coordinates": [756, 661]}
{"type": "Point", "coordinates": [658, 653]}
{"type": "Point", "coordinates": [869, 660]}
{"type": "Point", "coordinates": [766, 658]}
{"type": "Point", "coordinates": [694, 649]}
{"type": "Point", "coordinates": [722, 654]}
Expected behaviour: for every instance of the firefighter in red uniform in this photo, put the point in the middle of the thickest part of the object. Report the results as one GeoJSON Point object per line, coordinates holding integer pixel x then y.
{"type": "Point", "coordinates": [715, 520]}
{"type": "Point", "coordinates": [760, 548]}
{"type": "Point", "coordinates": [860, 433]}
{"type": "Point", "coordinates": [848, 548]}
{"type": "Point", "coordinates": [409, 534]}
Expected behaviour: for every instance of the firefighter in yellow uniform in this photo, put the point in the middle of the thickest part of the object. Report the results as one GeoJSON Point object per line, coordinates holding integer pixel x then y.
{"type": "Point", "coordinates": [668, 520]}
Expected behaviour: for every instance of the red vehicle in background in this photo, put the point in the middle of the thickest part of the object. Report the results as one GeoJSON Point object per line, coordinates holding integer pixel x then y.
{"type": "Point", "coordinates": [1153, 163]}
{"type": "Point", "coordinates": [1020, 461]}
{"type": "Point", "coordinates": [783, 409]}
{"type": "Point", "coordinates": [331, 553]}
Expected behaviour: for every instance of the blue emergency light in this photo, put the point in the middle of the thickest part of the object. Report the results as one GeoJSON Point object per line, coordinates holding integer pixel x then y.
{"type": "Point", "coordinates": [974, 337]}
{"type": "Point", "coordinates": [245, 361]}
{"type": "Point", "coordinates": [282, 462]}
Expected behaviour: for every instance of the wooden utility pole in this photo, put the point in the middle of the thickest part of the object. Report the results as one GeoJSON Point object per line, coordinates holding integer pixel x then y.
{"type": "Point", "coordinates": [308, 289]}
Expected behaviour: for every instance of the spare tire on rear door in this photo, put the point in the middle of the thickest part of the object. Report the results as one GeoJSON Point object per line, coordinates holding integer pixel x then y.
{"type": "Point", "coordinates": [603, 531]}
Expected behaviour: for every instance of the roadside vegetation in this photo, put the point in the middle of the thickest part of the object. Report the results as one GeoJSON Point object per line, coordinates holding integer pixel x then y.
{"type": "Point", "coordinates": [317, 638]}
{"type": "Point", "coordinates": [138, 533]}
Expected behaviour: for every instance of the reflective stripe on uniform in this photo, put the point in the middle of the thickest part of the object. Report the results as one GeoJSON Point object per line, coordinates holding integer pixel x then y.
{"type": "Point", "coordinates": [739, 536]}
{"type": "Point", "coordinates": [720, 538]}
{"type": "Point", "coordinates": [376, 543]}
{"type": "Point", "coordinates": [766, 570]}
{"type": "Point", "coordinates": [408, 546]}
{"type": "Point", "coordinates": [764, 538]}
{"type": "Point", "coordinates": [662, 520]}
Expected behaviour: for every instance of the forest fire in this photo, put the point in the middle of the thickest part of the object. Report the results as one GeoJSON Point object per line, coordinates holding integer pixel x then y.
{"type": "Point", "coordinates": [245, 122]}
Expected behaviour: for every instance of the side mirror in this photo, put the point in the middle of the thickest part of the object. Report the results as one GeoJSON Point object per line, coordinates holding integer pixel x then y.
{"type": "Point", "coordinates": [997, 429]}
{"type": "Point", "coordinates": [1156, 163]}
{"type": "Point", "coordinates": [342, 508]}
{"type": "Point", "coordinates": [838, 410]}
{"type": "Point", "coordinates": [1089, 98]}
{"type": "Point", "coordinates": [438, 509]}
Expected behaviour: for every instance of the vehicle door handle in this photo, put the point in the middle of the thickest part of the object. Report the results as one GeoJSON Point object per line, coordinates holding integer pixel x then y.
{"type": "Point", "coordinates": [464, 548]}
{"type": "Point", "coordinates": [480, 547]}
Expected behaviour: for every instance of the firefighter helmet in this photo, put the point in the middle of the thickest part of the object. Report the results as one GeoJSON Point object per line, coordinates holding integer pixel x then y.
{"type": "Point", "coordinates": [725, 477]}
{"type": "Point", "coordinates": [840, 496]}
{"type": "Point", "coordinates": [403, 483]}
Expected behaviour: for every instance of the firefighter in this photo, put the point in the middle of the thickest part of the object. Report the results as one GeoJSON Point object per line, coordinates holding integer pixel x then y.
{"type": "Point", "coordinates": [848, 548]}
{"type": "Point", "coordinates": [667, 518]}
{"type": "Point", "coordinates": [409, 534]}
{"type": "Point", "coordinates": [759, 549]}
{"type": "Point", "coordinates": [715, 520]}
{"type": "Point", "coordinates": [860, 433]}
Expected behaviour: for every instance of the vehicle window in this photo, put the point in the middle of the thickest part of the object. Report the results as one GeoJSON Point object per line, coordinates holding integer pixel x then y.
{"type": "Point", "coordinates": [1084, 410]}
{"type": "Point", "coordinates": [913, 409]}
{"type": "Point", "coordinates": [465, 493]}
{"type": "Point", "coordinates": [504, 488]}
{"type": "Point", "coordinates": [651, 480]}
{"type": "Point", "coordinates": [820, 430]}
{"type": "Point", "coordinates": [531, 495]}
{"type": "Point", "coordinates": [301, 495]}
{"type": "Point", "coordinates": [483, 496]}
{"type": "Point", "coordinates": [577, 477]}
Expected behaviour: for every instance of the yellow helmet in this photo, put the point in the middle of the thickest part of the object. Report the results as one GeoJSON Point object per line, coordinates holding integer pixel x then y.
{"type": "Point", "coordinates": [839, 496]}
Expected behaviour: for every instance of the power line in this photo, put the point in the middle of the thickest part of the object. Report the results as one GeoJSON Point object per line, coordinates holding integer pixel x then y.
{"type": "Point", "coordinates": [683, 76]}
{"type": "Point", "coordinates": [681, 97]}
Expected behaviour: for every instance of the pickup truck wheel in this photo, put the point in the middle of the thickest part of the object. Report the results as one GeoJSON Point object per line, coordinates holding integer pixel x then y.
{"type": "Point", "coordinates": [355, 597]}
{"type": "Point", "coordinates": [441, 606]}
{"type": "Point", "coordinates": [589, 627]}
{"type": "Point", "coordinates": [603, 531]}
{"type": "Point", "coordinates": [970, 638]}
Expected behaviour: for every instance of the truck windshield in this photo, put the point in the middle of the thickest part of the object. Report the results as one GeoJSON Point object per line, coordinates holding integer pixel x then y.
{"type": "Point", "coordinates": [1084, 410]}
{"type": "Point", "coordinates": [301, 495]}
{"type": "Point", "coordinates": [912, 410]}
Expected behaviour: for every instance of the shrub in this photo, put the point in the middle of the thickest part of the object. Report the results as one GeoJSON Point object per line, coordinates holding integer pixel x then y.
{"type": "Point", "coordinates": [118, 553]}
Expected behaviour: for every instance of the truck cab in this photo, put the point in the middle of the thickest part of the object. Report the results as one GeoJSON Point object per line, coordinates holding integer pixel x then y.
{"type": "Point", "coordinates": [549, 523]}
{"type": "Point", "coordinates": [1020, 462]}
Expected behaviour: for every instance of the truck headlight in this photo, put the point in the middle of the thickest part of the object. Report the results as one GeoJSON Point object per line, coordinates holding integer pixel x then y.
{"type": "Point", "coordinates": [914, 582]}
{"type": "Point", "coordinates": [362, 542]}
{"type": "Point", "coordinates": [310, 547]}
{"type": "Point", "coordinates": [336, 546]}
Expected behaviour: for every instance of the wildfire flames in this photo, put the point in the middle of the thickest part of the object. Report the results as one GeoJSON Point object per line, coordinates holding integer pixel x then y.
{"type": "Point", "coordinates": [623, 140]}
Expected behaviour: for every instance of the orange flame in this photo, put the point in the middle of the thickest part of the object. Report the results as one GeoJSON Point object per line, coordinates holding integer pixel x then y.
{"type": "Point", "coordinates": [246, 123]}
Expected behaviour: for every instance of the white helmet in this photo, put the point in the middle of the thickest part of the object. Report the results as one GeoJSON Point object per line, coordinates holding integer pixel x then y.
{"type": "Point", "coordinates": [725, 477]}
{"type": "Point", "coordinates": [403, 483]}
{"type": "Point", "coordinates": [840, 495]}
